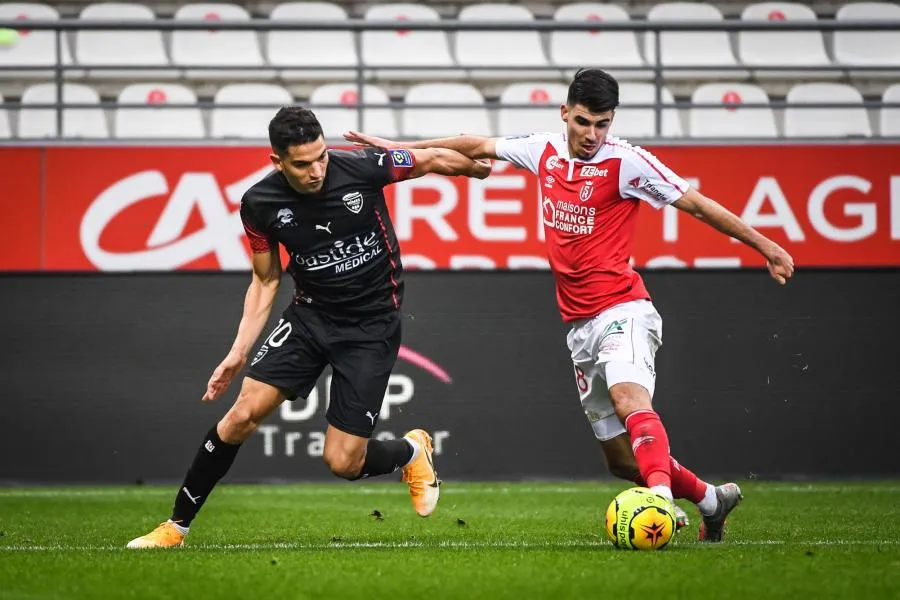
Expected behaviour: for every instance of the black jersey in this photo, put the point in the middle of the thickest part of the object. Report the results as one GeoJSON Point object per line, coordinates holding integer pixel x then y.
{"type": "Point", "coordinates": [344, 255]}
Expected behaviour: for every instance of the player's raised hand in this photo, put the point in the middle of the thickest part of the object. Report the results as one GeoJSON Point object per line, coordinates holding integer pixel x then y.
{"type": "Point", "coordinates": [223, 375]}
{"type": "Point", "coordinates": [779, 263]}
{"type": "Point", "coordinates": [361, 139]}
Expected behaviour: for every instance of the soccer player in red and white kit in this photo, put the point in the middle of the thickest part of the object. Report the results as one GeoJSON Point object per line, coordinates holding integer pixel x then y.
{"type": "Point", "coordinates": [592, 185]}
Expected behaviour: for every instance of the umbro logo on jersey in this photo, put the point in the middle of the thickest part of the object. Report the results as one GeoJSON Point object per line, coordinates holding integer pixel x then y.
{"type": "Point", "coordinates": [592, 171]}
{"type": "Point", "coordinates": [353, 201]}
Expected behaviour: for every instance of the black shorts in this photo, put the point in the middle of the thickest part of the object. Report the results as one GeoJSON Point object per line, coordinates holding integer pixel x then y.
{"type": "Point", "coordinates": [361, 352]}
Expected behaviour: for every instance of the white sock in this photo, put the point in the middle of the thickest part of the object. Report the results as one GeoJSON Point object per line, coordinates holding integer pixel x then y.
{"type": "Point", "coordinates": [182, 530]}
{"type": "Point", "coordinates": [710, 502]}
{"type": "Point", "coordinates": [664, 491]}
{"type": "Point", "coordinates": [417, 449]}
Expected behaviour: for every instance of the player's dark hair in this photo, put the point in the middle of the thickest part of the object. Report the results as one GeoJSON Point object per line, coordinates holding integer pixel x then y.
{"type": "Point", "coordinates": [292, 126]}
{"type": "Point", "coordinates": [595, 89]}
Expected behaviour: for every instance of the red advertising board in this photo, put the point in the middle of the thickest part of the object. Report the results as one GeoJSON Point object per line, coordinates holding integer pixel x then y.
{"type": "Point", "coordinates": [20, 201]}
{"type": "Point", "coordinates": [128, 208]}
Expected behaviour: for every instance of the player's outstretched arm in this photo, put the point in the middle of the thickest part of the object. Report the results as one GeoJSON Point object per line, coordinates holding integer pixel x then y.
{"type": "Point", "coordinates": [473, 146]}
{"type": "Point", "coordinates": [257, 308]}
{"type": "Point", "coordinates": [448, 162]}
{"type": "Point", "coordinates": [778, 261]}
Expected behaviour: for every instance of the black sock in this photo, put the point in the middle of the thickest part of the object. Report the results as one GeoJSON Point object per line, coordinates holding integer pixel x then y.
{"type": "Point", "coordinates": [213, 460]}
{"type": "Point", "coordinates": [385, 457]}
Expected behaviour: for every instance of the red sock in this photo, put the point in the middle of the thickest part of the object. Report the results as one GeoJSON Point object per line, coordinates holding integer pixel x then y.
{"type": "Point", "coordinates": [651, 447]}
{"type": "Point", "coordinates": [685, 484]}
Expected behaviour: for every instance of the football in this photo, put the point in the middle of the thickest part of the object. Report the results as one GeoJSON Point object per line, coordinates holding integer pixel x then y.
{"type": "Point", "coordinates": [638, 519]}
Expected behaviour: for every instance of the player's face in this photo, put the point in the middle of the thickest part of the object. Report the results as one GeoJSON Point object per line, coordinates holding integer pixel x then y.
{"type": "Point", "coordinates": [587, 131]}
{"type": "Point", "coordinates": [304, 166]}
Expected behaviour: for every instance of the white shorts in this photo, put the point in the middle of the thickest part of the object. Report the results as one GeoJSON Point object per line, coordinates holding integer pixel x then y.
{"type": "Point", "coordinates": [617, 346]}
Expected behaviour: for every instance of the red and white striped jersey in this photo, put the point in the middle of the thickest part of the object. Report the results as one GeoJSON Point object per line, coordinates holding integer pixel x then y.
{"type": "Point", "coordinates": [590, 210]}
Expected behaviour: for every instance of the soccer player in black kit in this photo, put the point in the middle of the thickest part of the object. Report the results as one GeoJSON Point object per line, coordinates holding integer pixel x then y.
{"type": "Point", "coordinates": [327, 208]}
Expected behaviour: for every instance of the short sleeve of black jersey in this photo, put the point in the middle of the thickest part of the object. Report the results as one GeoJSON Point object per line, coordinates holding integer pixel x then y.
{"type": "Point", "coordinates": [260, 242]}
{"type": "Point", "coordinates": [390, 166]}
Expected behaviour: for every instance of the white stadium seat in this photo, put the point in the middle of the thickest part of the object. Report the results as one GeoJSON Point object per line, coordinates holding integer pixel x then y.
{"type": "Point", "coordinates": [731, 120]}
{"type": "Point", "coordinates": [615, 50]}
{"type": "Point", "coordinates": [641, 122]}
{"type": "Point", "coordinates": [825, 122]}
{"type": "Point", "coordinates": [687, 48]}
{"type": "Point", "coordinates": [33, 48]}
{"type": "Point", "coordinates": [868, 48]}
{"type": "Point", "coordinates": [890, 117]}
{"type": "Point", "coordinates": [546, 97]}
{"type": "Point", "coordinates": [431, 122]}
{"type": "Point", "coordinates": [335, 121]}
{"type": "Point", "coordinates": [211, 48]}
{"type": "Point", "coordinates": [286, 49]}
{"type": "Point", "coordinates": [150, 122]}
{"type": "Point", "coordinates": [501, 48]}
{"type": "Point", "coordinates": [407, 48]}
{"type": "Point", "coordinates": [121, 47]}
{"type": "Point", "coordinates": [246, 123]}
{"type": "Point", "coordinates": [783, 48]}
{"type": "Point", "coordinates": [77, 122]}
{"type": "Point", "coordinates": [5, 131]}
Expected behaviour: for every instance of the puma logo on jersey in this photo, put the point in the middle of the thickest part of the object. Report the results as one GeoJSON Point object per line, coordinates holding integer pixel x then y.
{"type": "Point", "coordinates": [371, 416]}
{"type": "Point", "coordinates": [325, 228]}
{"type": "Point", "coordinates": [380, 156]}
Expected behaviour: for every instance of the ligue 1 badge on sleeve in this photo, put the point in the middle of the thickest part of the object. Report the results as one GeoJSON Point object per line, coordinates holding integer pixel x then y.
{"type": "Point", "coordinates": [353, 201]}
{"type": "Point", "coordinates": [401, 158]}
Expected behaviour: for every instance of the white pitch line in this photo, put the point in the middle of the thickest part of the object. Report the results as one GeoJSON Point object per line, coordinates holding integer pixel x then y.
{"type": "Point", "coordinates": [293, 490]}
{"type": "Point", "coordinates": [566, 544]}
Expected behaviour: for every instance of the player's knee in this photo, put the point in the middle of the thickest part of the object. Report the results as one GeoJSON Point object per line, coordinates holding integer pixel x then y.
{"type": "Point", "coordinates": [628, 398]}
{"type": "Point", "coordinates": [344, 465]}
{"type": "Point", "coordinates": [237, 425]}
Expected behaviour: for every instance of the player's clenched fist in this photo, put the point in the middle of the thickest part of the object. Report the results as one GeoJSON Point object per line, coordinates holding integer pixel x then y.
{"type": "Point", "coordinates": [779, 263]}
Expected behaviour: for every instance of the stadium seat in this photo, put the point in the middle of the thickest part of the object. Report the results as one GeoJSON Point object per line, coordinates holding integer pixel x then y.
{"type": "Point", "coordinates": [77, 122]}
{"type": "Point", "coordinates": [213, 48]}
{"type": "Point", "coordinates": [868, 48]}
{"type": "Point", "coordinates": [619, 49]}
{"type": "Point", "coordinates": [246, 123]}
{"type": "Point", "coordinates": [151, 122]}
{"type": "Point", "coordinates": [503, 49]}
{"type": "Point", "coordinates": [33, 48]}
{"type": "Point", "coordinates": [546, 97]}
{"type": "Point", "coordinates": [800, 121]}
{"type": "Point", "coordinates": [407, 48]}
{"type": "Point", "coordinates": [731, 120]}
{"type": "Point", "coordinates": [335, 121]}
{"type": "Point", "coordinates": [122, 47]}
{"type": "Point", "coordinates": [783, 48]}
{"type": "Point", "coordinates": [431, 122]}
{"type": "Point", "coordinates": [890, 117]}
{"type": "Point", "coordinates": [687, 48]}
{"type": "Point", "coordinates": [5, 131]}
{"type": "Point", "coordinates": [641, 122]}
{"type": "Point", "coordinates": [282, 46]}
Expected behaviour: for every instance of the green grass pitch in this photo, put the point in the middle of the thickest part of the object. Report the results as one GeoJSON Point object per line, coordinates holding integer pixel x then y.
{"type": "Point", "coordinates": [486, 540]}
